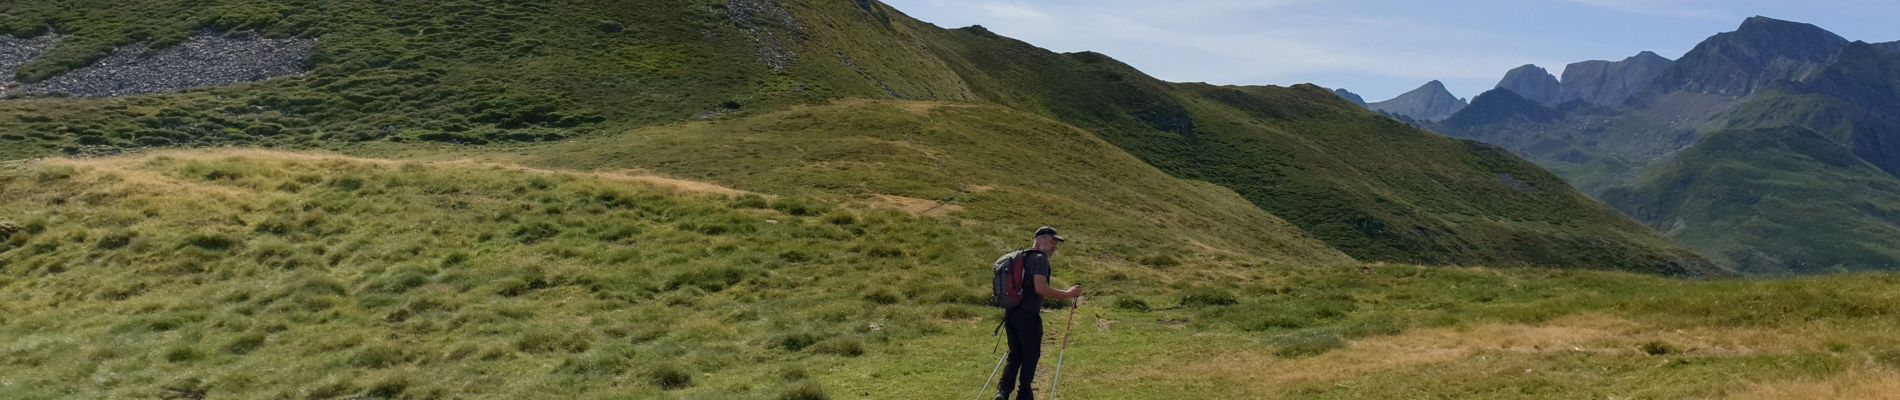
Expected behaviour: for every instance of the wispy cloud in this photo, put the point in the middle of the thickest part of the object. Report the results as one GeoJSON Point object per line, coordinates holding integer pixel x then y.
{"type": "Point", "coordinates": [1279, 53]}
{"type": "Point", "coordinates": [1377, 48]}
{"type": "Point", "coordinates": [1012, 11]}
{"type": "Point", "coordinates": [1661, 8]}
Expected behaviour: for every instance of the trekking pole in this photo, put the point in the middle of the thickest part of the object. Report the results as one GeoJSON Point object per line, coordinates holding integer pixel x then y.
{"type": "Point", "coordinates": [986, 381]}
{"type": "Point", "coordinates": [1065, 348]}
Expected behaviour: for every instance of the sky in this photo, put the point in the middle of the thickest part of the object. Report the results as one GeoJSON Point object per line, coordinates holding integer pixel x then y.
{"type": "Point", "coordinates": [1381, 48]}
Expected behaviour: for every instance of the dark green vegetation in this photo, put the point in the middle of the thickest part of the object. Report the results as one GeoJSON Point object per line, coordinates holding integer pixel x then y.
{"type": "Point", "coordinates": [1771, 149]}
{"type": "Point", "coordinates": [488, 73]}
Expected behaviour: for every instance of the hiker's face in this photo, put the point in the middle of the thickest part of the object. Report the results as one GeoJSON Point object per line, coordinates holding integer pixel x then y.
{"type": "Point", "coordinates": [1047, 244]}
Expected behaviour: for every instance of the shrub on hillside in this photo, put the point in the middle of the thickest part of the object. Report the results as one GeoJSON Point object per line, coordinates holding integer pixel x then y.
{"type": "Point", "coordinates": [1658, 348]}
{"type": "Point", "coordinates": [211, 241]}
{"type": "Point", "coordinates": [806, 390]}
{"type": "Point", "coordinates": [1131, 303]}
{"type": "Point", "coordinates": [1160, 260]}
{"type": "Point", "coordinates": [882, 296]}
{"type": "Point", "coordinates": [377, 355]}
{"type": "Point", "coordinates": [710, 279]}
{"type": "Point", "coordinates": [797, 207]}
{"type": "Point", "coordinates": [534, 231]}
{"type": "Point", "coordinates": [669, 376]}
{"type": "Point", "coordinates": [112, 240]}
{"type": "Point", "coordinates": [545, 340]}
{"type": "Point", "coordinates": [245, 344]}
{"type": "Point", "coordinates": [1207, 296]}
{"type": "Point", "coordinates": [1305, 344]}
{"type": "Point", "coordinates": [797, 341]}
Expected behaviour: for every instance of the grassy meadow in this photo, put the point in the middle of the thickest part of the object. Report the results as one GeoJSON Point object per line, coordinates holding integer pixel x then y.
{"type": "Point", "coordinates": [624, 267]}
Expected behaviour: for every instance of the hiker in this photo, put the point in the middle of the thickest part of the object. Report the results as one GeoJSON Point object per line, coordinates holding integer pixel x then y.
{"type": "Point", "coordinates": [1023, 323]}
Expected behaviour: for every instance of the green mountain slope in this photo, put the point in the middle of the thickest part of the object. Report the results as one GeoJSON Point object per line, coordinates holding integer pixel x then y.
{"type": "Point", "coordinates": [1855, 102]}
{"type": "Point", "coordinates": [397, 72]}
{"type": "Point", "coordinates": [1772, 201]}
{"type": "Point", "coordinates": [1350, 177]}
{"type": "Point", "coordinates": [1008, 168]}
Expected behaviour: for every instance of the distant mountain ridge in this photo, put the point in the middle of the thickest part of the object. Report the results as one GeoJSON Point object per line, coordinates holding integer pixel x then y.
{"type": "Point", "coordinates": [1773, 149]}
{"type": "Point", "coordinates": [1430, 102]}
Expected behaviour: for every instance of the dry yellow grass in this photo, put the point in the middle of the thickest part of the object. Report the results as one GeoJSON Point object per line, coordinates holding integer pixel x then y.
{"type": "Point", "coordinates": [1262, 372]}
{"type": "Point", "coordinates": [911, 205]}
{"type": "Point", "coordinates": [1860, 384]}
{"type": "Point", "coordinates": [125, 166]}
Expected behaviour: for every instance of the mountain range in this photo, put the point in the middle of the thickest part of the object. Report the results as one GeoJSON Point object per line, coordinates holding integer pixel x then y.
{"type": "Point", "coordinates": [1771, 149]}
{"type": "Point", "coordinates": [1367, 186]}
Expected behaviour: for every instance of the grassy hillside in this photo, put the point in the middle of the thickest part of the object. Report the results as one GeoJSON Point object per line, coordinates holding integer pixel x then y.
{"type": "Point", "coordinates": [1758, 199]}
{"type": "Point", "coordinates": [1372, 187]}
{"type": "Point", "coordinates": [251, 274]}
{"type": "Point", "coordinates": [1803, 184]}
{"type": "Point", "coordinates": [1011, 169]}
{"type": "Point", "coordinates": [466, 71]}
{"type": "Point", "coordinates": [484, 73]}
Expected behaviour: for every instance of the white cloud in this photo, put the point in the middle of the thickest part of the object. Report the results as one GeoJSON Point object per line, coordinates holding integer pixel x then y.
{"type": "Point", "coordinates": [1279, 53]}
{"type": "Point", "coordinates": [1011, 11]}
{"type": "Point", "coordinates": [1661, 8]}
{"type": "Point", "coordinates": [1271, 41]}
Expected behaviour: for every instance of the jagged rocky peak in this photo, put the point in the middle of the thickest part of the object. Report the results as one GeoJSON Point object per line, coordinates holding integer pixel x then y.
{"type": "Point", "coordinates": [1350, 96]}
{"type": "Point", "coordinates": [1501, 106]}
{"type": "Point", "coordinates": [1531, 82]}
{"type": "Point", "coordinates": [1759, 53]}
{"type": "Point", "coordinates": [1431, 102]}
{"type": "Point", "coordinates": [1609, 83]}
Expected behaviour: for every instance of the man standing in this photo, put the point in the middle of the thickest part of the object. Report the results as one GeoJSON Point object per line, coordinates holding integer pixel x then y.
{"type": "Point", "coordinates": [1023, 323]}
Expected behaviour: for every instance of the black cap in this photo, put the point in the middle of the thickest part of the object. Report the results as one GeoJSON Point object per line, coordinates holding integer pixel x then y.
{"type": "Point", "coordinates": [1049, 231]}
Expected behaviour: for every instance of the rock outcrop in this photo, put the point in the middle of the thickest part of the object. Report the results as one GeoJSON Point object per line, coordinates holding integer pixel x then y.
{"type": "Point", "coordinates": [1350, 96]}
{"type": "Point", "coordinates": [1607, 83]}
{"type": "Point", "coordinates": [1763, 51]}
{"type": "Point", "coordinates": [1431, 102]}
{"type": "Point", "coordinates": [1532, 82]}
{"type": "Point", "coordinates": [202, 61]}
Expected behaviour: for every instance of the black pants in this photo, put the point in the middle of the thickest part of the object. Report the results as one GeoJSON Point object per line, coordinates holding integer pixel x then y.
{"type": "Point", "coordinates": [1024, 330]}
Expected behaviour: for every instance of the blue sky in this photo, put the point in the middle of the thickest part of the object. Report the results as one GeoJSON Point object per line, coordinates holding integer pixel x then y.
{"type": "Point", "coordinates": [1380, 48]}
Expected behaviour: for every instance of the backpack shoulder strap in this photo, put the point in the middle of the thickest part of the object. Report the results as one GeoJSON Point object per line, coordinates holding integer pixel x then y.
{"type": "Point", "coordinates": [1028, 280]}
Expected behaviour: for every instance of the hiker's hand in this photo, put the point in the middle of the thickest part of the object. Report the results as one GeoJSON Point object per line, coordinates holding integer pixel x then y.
{"type": "Point", "coordinates": [1075, 291]}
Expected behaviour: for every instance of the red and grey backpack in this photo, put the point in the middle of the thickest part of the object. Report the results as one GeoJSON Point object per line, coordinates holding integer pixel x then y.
{"type": "Point", "coordinates": [1010, 280]}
